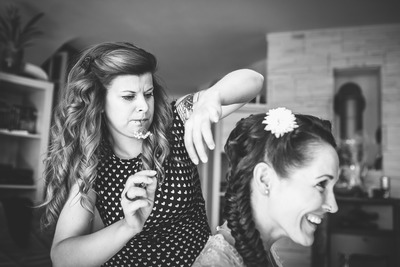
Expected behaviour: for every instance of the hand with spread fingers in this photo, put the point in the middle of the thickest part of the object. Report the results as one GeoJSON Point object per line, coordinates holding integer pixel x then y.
{"type": "Point", "coordinates": [137, 199]}
{"type": "Point", "coordinates": [209, 106]}
{"type": "Point", "coordinates": [198, 132]}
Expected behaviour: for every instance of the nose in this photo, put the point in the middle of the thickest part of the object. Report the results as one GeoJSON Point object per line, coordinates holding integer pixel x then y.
{"type": "Point", "coordinates": [330, 204]}
{"type": "Point", "coordinates": [141, 103]}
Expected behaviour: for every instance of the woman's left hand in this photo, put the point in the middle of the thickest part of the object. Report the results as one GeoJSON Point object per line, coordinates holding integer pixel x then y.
{"type": "Point", "coordinates": [198, 133]}
{"type": "Point", "coordinates": [138, 198]}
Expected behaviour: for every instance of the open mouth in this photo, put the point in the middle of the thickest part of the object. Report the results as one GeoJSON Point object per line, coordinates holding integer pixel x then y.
{"type": "Point", "coordinates": [314, 219]}
{"type": "Point", "coordinates": [139, 122]}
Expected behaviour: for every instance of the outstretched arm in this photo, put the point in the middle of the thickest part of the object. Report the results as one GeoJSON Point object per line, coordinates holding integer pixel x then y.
{"type": "Point", "coordinates": [234, 90]}
{"type": "Point", "coordinates": [210, 105]}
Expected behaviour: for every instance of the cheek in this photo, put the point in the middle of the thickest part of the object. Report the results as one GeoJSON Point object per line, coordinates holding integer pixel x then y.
{"type": "Point", "coordinates": [111, 104]}
{"type": "Point", "coordinates": [151, 110]}
{"type": "Point", "coordinates": [309, 199]}
{"type": "Point", "coordinates": [296, 201]}
{"type": "Point", "coordinates": [284, 205]}
{"type": "Point", "coordinates": [151, 105]}
{"type": "Point", "coordinates": [116, 112]}
{"type": "Point", "coordinates": [111, 118]}
{"type": "Point", "coordinates": [119, 105]}
{"type": "Point", "coordinates": [111, 110]}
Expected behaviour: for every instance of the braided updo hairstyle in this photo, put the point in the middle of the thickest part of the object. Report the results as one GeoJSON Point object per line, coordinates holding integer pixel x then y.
{"type": "Point", "coordinates": [249, 144]}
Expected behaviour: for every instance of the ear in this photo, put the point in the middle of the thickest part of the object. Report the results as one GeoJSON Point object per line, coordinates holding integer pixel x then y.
{"type": "Point", "coordinates": [262, 175]}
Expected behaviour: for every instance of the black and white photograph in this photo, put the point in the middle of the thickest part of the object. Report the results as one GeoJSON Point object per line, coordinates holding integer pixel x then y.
{"type": "Point", "coordinates": [224, 133]}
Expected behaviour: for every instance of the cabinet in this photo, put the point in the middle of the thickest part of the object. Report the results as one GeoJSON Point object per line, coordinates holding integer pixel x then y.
{"type": "Point", "coordinates": [23, 151]}
{"type": "Point", "coordinates": [364, 232]}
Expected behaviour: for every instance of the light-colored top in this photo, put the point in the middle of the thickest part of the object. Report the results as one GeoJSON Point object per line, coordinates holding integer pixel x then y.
{"type": "Point", "coordinates": [219, 251]}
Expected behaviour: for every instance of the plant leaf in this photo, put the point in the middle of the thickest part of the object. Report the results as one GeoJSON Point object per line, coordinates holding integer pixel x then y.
{"type": "Point", "coordinates": [31, 22]}
{"type": "Point", "coordinates": [11, 30]}
{"type": "Point", "coordinates": [5, 26]}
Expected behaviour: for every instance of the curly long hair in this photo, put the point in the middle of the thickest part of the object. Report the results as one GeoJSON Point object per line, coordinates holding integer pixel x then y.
{"type": "Point", "coordinates": [79, 126]}
{"type": "Point", "coordinates": [249, 144]}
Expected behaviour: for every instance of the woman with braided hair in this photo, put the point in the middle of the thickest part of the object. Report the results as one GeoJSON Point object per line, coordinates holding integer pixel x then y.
{"type": "Point", "coordinates": [122, 181]}
{"type": "Point", "coordinates": [282, 169]}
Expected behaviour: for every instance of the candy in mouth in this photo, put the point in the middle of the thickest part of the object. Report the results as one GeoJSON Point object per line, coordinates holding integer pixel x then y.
{"type": "Point", "coordinates": [141, 135]}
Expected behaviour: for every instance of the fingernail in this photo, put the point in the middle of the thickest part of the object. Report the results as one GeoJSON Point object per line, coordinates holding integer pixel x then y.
{"type": "Point", "coordinates": [204, 159]}
{"type": "Point", "coordinates": [195, 161]}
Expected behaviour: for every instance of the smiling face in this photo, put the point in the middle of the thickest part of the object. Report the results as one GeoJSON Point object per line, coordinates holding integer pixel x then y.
{"type": "Point", "coordinates": [297, 204]}
{"type": "Point", "coordinates": [129, 105]}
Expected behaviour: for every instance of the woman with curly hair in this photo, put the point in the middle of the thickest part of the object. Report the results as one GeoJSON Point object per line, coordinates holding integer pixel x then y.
{"type": "Point", "coordinates": [122, 182]}
{"type": "Point", "coordinates": [282, 169]}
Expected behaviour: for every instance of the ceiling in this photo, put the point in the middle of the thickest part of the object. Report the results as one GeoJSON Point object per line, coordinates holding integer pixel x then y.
{"type": "Point", "coordinates": [195, 41]}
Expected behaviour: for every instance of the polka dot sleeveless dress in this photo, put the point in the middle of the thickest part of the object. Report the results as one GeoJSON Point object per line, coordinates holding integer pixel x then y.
{"type": "Point", "coordinates": [177, 229]}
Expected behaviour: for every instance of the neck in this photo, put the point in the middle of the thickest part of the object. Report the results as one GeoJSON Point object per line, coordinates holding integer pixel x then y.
{"type": "Point", "coordinates": [266, 225]}
{"type": "Point", "coordinates": [126, 148]}
{"type": "Point", "coordinates": [268, 233]}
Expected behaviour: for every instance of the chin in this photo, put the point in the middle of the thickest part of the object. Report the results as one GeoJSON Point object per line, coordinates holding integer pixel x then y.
{"type": "Point", "coordinates": [306, 241]}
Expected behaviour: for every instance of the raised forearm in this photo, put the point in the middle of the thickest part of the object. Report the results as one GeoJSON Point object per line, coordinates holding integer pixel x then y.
{"type": "Point", "coordinates": [238, 87]}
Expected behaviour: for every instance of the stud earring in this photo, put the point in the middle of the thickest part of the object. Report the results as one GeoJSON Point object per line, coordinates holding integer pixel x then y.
{"type": "Point", "coordinates": [267, 189]}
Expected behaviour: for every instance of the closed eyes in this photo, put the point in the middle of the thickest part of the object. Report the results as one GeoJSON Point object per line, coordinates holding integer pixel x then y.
{"type": "Point", "coordinates": [322, 185]}
{"type": "Point", "coordinates": [132, 96]}
{"type": "Point", "coordinates": [128, 97]}
{"type": "Point", "coordinates": [148, 95]}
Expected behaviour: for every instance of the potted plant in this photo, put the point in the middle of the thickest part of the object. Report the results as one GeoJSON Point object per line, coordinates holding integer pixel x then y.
{"type": "Point", "coordinates": [14, 38]}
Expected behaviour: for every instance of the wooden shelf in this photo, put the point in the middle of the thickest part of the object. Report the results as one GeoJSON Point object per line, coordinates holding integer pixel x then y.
{"type": "Point", "coordinates": [21, 134]}
{"type": "Point", "coordinates": [21, 149]}
{"type": "Point", "coordinates": [19, 83]}
{"type": "Point", "coordinates": [15, 186]}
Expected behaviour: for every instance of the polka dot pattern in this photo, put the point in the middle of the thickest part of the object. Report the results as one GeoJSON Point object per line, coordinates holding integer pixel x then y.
{"type": "Point", "coordinates": [177, 229]}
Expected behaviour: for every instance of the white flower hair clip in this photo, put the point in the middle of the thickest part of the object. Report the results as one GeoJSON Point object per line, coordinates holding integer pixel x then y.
{"type": "Point", "coordinates": [280, 121]}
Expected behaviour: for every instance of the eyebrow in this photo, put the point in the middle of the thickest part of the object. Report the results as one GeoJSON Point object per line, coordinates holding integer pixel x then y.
{"type": "Point", "coordinates": [326, 175]}
{"type": "Point", "coordinates": [131, 91]}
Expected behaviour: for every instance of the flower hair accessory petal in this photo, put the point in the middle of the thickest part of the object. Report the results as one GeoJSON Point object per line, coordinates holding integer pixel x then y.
{"type": "Point", "coordinates": [280, 121]}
